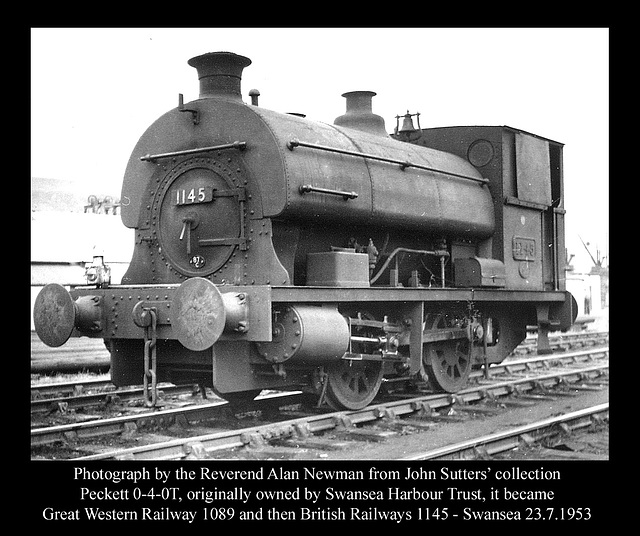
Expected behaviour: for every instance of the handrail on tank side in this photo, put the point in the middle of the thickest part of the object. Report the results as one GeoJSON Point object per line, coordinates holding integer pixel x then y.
{"type": "Point", "coordinates": [404, 164]}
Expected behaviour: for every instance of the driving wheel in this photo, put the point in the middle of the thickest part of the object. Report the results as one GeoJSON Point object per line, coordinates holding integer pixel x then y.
{"type": "Point", "coordinates": [447, 363]}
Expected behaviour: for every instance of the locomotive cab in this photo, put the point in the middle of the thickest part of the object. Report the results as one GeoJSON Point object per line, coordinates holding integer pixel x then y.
{"type": "Point", "coordinates": [525, 174]}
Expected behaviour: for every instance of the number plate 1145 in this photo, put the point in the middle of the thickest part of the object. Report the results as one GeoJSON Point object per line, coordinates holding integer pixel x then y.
{"type": "Point", "coordinates": [190, 196]}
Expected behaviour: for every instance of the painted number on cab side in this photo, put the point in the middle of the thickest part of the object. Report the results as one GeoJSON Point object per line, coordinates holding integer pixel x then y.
{"type": "Point", "coordinates": [524, 249]}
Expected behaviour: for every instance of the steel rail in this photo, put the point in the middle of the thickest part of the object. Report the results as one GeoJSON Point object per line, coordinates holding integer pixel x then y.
{"type": "Point", "coordinates": [42, 405]}
{"type": "Point", "coordinates": [69, 387]}
{"type": "Point", "coordinates": [570, 336]}
{"type": "Point", "coordinates": [511, 365]}
{"type": "Point", "coordinates": [560, 340]}
{"type": "Point", "coordinates": [198, 447]}
{"type": "Point", "coordinates": [502, 441]}
{"type": "Point", "coordinates": [114, 425]}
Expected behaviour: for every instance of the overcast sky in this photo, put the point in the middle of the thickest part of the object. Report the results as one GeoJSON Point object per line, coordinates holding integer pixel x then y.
{"type": "Point", "coordinates": [96, 90]}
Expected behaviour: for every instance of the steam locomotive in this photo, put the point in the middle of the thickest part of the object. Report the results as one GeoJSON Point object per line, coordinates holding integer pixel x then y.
{"type": "Point", "coordinates": [275, 252]}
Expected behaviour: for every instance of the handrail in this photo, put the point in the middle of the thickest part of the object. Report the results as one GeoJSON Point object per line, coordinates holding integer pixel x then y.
{"type": "Point", "coordinates": [239, 145]}
{"type": "Point", "coordinates": [404, 164]}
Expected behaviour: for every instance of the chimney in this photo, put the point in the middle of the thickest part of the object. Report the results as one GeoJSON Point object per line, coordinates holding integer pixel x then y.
{"type": "Point", "coordinates": [359, 115]}
{"type": "Point", "coordinates": [220, 74]}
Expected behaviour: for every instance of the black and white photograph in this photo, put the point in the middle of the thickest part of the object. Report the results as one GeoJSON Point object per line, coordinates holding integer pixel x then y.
{"type": "Point", "coordinates": [339, 274]}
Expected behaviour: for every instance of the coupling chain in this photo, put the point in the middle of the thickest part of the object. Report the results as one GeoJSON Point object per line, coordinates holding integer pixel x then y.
{"type": "Point", "coordinates": [150, 378]}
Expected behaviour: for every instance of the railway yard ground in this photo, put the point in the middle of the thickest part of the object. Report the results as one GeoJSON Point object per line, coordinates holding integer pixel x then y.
{"type": "Point", "coordinates": [94, 421]}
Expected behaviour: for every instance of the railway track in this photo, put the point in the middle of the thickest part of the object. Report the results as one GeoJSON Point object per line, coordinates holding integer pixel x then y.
{"type": "Point", "coordinates": [102, 394]}
{"type": "Point", "coordinates": [565, 341]}
{"type": "Point", "coordinates": [214, 428]}
{"type": "Point", "coordinates": [492, 444]}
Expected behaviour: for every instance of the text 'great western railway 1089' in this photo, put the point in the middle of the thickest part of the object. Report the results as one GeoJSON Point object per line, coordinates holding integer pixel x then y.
{"type": "Point", "coordinates": [275, 252]}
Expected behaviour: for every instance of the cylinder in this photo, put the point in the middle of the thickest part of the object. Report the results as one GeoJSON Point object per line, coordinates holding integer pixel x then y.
{"type": "Point", "coordinates": [307, 333]}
